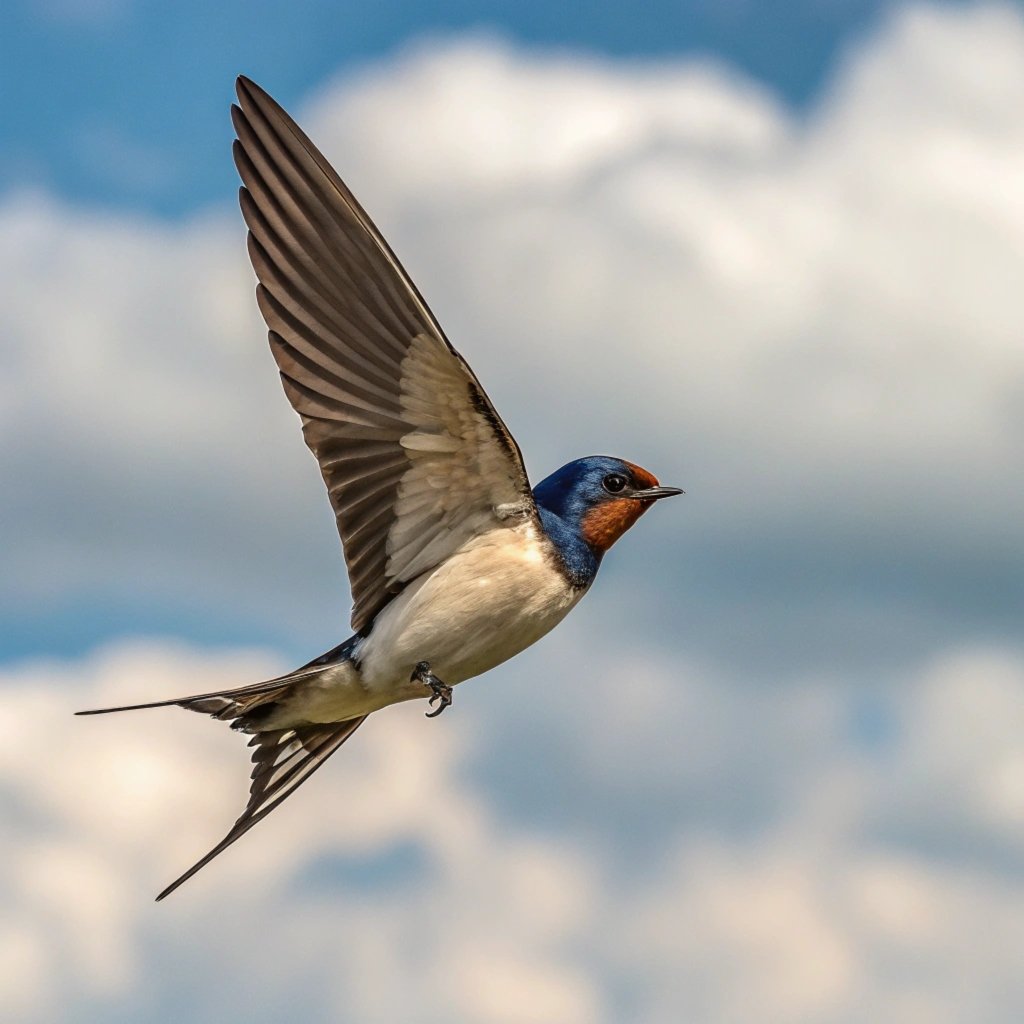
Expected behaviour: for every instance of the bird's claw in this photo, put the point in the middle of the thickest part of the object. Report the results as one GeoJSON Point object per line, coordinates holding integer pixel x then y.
{"type": "Point", "coordinates": [443, 693]}
{"type": "Point", "coordinates": [439, 691]}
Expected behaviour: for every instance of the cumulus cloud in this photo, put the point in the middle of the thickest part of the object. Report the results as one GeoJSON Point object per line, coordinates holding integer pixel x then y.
{"type": "Point", "coordinates": [115, 807]}
{"type": "Point", "coordinates": [770, 768]}
{"type": "Point", "coordinates": [397, 889]}
{"type": "Point", "coordinates": [810, 322]}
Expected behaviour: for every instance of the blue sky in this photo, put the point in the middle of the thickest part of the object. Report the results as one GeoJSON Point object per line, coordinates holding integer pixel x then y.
{"type": "Point", "coordinates": [772, 767]}
{"type": "Point", "coordinates": [121, 107]}
{"type": "Point", "coordinates": [82, 78]}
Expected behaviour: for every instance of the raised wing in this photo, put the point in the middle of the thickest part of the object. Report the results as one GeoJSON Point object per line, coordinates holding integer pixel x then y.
{"type": "Point", "coordinates": [415, 457]}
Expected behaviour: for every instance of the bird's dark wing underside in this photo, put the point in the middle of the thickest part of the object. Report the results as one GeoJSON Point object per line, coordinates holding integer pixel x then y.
{"type": "Point", "coordinates": [414, 455]}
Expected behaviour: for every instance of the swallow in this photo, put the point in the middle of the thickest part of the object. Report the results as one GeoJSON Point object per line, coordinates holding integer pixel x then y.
{"type": "Point", "coordinates": [456, 564]}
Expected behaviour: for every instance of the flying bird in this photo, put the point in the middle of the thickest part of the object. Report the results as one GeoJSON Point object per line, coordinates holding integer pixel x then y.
{"type": "Point", "coordinates": [455, 563]}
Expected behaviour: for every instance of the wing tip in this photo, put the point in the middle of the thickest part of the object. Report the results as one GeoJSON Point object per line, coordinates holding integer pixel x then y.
{"type": "Point", "coordinates": [251, 94]}
{"type": "Point", "coordinates": [244, 85]}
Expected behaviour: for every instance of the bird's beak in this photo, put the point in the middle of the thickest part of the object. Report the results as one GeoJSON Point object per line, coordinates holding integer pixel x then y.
{"type": "Point", "coordinates": [653, 493]}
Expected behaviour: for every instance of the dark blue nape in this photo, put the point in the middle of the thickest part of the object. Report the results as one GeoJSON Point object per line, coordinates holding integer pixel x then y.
{"type": "Point", "coordinates": [579, 561]}
{"type": "Point", "coordinates": [563, 499]}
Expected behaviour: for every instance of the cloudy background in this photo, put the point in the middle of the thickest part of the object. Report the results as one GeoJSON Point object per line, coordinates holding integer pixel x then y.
{"type": "Point", "coordinates": [773, 767]}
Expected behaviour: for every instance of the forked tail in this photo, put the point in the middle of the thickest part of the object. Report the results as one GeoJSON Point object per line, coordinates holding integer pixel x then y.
{"type": "Point", "coordinates": [282, 759]}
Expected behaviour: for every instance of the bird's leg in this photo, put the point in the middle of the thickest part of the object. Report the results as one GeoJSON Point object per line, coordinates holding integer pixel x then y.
{"type": "Point", "coordinates": [439, 690]}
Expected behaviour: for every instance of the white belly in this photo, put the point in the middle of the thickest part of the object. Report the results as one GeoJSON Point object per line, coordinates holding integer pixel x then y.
{"type": "Point", "coordinates": [484, 605]}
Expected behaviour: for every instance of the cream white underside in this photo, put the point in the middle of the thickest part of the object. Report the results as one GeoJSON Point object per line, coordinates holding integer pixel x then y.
{"type": "Point", "coordinates": [497, 595]}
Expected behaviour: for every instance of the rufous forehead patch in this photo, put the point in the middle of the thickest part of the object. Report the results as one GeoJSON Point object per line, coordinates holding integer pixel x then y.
{"type": "Point", "coordinates": [604, 524]}
{"type": "Point", "coordinates": [641, 476]}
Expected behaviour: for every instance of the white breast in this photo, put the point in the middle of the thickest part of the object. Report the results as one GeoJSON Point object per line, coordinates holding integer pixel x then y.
{"type": "Point", "coordinates": [492, 599]}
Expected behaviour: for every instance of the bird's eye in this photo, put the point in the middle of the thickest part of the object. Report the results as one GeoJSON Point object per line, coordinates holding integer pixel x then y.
{"type": "Point", "coordinates": [614, 482]}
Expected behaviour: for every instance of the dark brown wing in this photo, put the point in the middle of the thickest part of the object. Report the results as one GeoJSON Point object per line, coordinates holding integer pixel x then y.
{"type": "Point", "coordinates": [414, 455]}
{"type": "Point", "coordinates": [282, 761]}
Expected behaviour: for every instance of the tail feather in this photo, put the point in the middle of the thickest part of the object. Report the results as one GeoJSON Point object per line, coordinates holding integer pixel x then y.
{"type": "Point", "coordinates": [282, 759]}
{"type": "Point", "coordinates": [224, 704]}
{"type": "Point", "coordinates": [274, 777]}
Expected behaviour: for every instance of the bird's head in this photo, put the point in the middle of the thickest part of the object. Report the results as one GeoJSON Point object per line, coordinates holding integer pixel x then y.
{"type": "Point", "coordinates": [601, 496]}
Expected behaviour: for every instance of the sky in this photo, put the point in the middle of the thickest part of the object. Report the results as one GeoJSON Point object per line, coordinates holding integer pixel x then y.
{"type": "Point", "coordinates": [773, 765]}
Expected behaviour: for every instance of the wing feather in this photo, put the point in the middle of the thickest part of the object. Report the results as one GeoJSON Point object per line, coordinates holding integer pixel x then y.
{"type": "Point", "coordinates": [309, 323]}
{"type": "Point", "coordinates": [415, 457]}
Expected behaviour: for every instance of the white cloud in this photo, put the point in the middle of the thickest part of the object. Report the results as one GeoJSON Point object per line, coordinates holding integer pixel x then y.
{"type": "Point", "coordinates": [812, 324]}
{"type": "Point", "coordinates": [105, 811]}
{"type": "Point", "coordinates": [396, 889]}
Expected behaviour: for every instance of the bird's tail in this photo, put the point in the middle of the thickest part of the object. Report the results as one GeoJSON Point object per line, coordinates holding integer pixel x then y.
{"type": "Point", "coordinates": [282, 759]}
{"type": "Point", "coordinates": [235, 705]}
{"type": "Point", "coordinates": [245, 706]}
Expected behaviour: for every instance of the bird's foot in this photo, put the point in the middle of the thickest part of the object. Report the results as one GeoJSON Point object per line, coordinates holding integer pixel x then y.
{"type": "Point", "coordinates": [439, 691]}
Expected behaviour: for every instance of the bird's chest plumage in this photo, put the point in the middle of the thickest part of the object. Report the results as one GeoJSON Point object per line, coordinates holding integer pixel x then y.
{"type": "Point", "coordinates": [492, 599]}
